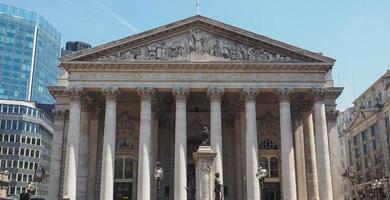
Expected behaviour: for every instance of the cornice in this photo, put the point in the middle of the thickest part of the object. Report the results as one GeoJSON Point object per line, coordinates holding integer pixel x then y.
{"type": "Point", "coordinates": [169, 66]}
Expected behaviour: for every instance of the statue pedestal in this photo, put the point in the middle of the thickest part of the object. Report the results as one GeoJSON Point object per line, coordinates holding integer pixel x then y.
{"type": "Point", "coordinates": [204, 172]}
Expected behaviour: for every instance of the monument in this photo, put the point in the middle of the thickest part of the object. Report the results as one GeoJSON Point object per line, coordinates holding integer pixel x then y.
{"type": "Point", "coordinates": [129, 103]}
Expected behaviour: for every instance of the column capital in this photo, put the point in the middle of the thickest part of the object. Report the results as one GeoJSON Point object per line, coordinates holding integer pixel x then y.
{"type": "Point", "coordinates": [86, 103]}
{"type": "Point", "coordinates": [74, 93]}
{"type": "Point", "coordinates": [318, 93]}
{"type": "Point", "coordinates": [146, 93]}
{"type": "Point", "coordinates": [250, 93]}
{"type": "Point", "coordinates": [60, 114]}
{"type": "Point", "coordinates": [111, 93]}
{"type": "Point", "coordinates": [180, 93]}
{"type": "Point", "coordinates": [284, 94]}
{"type": "Point", "coordinates": [215, 93]}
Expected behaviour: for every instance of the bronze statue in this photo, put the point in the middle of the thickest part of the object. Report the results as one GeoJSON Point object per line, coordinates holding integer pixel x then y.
{"type": "Point", "coordinates": [218, 187]}
{"type": "Point", "coordinates": [205, 135]}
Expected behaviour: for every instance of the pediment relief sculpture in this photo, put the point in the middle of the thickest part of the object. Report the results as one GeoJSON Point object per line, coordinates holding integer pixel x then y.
{"type": "Point", "coordinates": [197, 44]}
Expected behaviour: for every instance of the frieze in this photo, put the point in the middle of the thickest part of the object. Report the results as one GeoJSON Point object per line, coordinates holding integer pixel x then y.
{"type": "Point", "coordinates": [254, 77]}
{"type": "Point", "coordinates": [195, 43]}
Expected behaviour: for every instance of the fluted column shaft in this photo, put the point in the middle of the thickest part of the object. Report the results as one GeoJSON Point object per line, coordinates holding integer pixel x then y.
{"type": "Point", "coordinates": [108, 160]}
{"type": "Point", "coordinates": [287, 148]}
{"type": "Point", "coordinates": [215, 95]}
{"type": "Point", "coordinates": [72, 146]}
{"type": "Point", "coordinates": [312, 176]}
{"type": "Point", "coordinates": [251, 148]}
{"type": "Point", "coordinates": [322, 147]}
{"type": "Point", "coordinates": [145, 135]}
{"type": "Point", "coordinates": [180, 175]}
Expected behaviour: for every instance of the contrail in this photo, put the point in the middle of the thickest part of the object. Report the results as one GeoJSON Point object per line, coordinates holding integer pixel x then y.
{"type": "Point", "coordinates": [131, 27]}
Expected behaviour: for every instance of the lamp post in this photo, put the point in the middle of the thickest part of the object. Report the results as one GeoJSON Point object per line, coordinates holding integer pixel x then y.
{"type": "Point", "coordinates": [376, 187]}
{"type": "Point", "coordinates": [158, 175]}
{"type": "Point", "coordinates": [4, 182]}
{"type": "Point", "coordinates": [261, 174]}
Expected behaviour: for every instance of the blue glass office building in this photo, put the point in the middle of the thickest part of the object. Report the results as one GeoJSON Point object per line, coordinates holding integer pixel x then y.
{"type": "Point", "coordinates": [29, 55]}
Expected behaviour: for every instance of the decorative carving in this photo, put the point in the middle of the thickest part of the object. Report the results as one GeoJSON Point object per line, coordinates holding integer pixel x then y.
{"type": "Point", "coordinates": [127, 134]}
{"type": "Point", "coordinates": [75, 93]}
{"type": "Point", "coordinates": [200, 42]}
{"type": "Point", "coordinates": [318, 93]}
{"type": "Point", "coordinates": [86, 103]}
{"type": "Point", "coordinates": [284, 94]}
{"type": "Point", "coordinates": [95, 112]}
{"type": "Point", "coordinates": [146, 93]}
{"type": "Point", "coordinates": [215, 93]}
{"type": "Point", "coordinates": [60, 114]}
{"type": "Point", "coordinates": [180, 93]}
{"type": "Point", "coordinates": [301, 108]}
{"type": "Point", "coordinates": [250, 93]}
{"type": "Point", "coordinates": [268, 122]}
{"type": "Point", "coordinates": [206, 166]}
{"type": "Point", "coordinates": [111, 93]}
{"type": "Point", "coordinates": [331, 115]}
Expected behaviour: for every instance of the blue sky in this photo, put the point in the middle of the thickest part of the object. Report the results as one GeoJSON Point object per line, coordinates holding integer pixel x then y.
{"type": "Point", "coordinates": [354, 32]}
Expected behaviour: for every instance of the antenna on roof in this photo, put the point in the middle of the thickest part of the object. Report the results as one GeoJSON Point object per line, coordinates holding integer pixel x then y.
{"type": "Point", "coordinates": [197, 7]}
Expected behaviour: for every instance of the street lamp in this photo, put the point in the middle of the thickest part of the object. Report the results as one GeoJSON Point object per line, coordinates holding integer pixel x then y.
{"type": "Point", "coordinates": [350, 174]}
{"type": "Point", "coordinates": [158, 175]}
{"type": "Point", "coordinates": [376, 187]}
{"type": "Point", "coordinates": [261, 174]}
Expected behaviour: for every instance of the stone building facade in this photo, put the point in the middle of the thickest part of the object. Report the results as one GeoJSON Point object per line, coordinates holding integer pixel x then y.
{"type": "Point", "coordinates": [132, 102]}
{"type": "Point", "coordinates": [365, 132]}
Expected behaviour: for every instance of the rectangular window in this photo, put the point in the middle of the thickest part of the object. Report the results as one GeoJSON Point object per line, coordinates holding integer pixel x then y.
{"type": "Point", "coordinates": [25, 165]}
{"type": "Point", "coordinates": [12, 138]}
{"type": "Point", "coordinates": [356, 140]}
{"type": "Point", "coordinates": [19, 177]}
{"type": "Point", "coordinates": [28, 140]}
{"type": "Point", "coordinates": [6, 138]}
{"type": "Point", "coordinates": [16, 151]}
{"type": "Point", "coordinates": [23, 139]}
{"type": "Point", "coordinates": [27, 152]}
{"type": "Point", "coordinates": [37, 154]}
{"type": "Point", "coordinates": [17, 138]}
{"type": "Point", "coordinates": [22, 151]}
{"type": "Point", "coordinates": [14, 163]}
{"type": "Point", "coordinates": [118, 168]}
{"type": "Point", "coordinates": [366, 148]}
{"type": "Point", "coordinates": [128, 168]}
{"type": "Point", "coordinates": [39, 142]}
{"type": "Point", "coordinates": [364, 135]}
{"type": "Point", "coordinates": [357, 152]}
{"type": "Point", "coordinates": [375, 131]}
{"type": "Point", "coordinates": [20, 164]}
{"type": "Point", "coordinates": [33, 141]}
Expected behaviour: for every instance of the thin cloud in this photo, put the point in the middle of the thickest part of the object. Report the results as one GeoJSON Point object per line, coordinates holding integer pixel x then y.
{"type": "Point", "coordinates": [128, 25]}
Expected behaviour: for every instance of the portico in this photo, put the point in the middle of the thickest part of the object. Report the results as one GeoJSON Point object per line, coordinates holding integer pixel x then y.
{"type": "Point", "coordinates": [150, 95]}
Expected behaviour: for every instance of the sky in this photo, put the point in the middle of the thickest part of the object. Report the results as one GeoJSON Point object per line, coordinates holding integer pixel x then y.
{"type": "Point", "coordinates": [354, 32]}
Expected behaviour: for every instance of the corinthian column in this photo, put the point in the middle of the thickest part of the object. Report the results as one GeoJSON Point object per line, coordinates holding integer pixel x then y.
{"type": "Point", "coordinates": [322, 146]}
{"type": "Point", "coordinates": [287, 148]}
{"type": "Point", "coordinates": [180, 175]}
{"type": "Point", "coordinates": [145, 134]}
{"type": "Point", "coordinates": [251, 149]}
{"type": "Point", "coordinates": [107, 178]}
{"type": "Point", "coordinates": [215, 95]}
{"type": "Point", "coordinates": [72, 145]}
{"type": "Point", "coordinates": [311, 160]}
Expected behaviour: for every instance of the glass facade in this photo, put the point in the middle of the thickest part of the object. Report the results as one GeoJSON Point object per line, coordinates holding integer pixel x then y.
{"type": "Point", "coordinates": [25, 144]}
{"type": "Point", "coordinates": [29, 55]}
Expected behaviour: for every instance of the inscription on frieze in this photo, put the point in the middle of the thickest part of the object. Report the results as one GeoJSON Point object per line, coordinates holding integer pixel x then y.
{"type": "Point", "coordinates": [228, 77]}
{"type": "Point", "coordinates": [197, 44]}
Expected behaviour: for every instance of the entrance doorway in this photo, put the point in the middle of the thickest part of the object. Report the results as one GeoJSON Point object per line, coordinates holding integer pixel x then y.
{"type": "Point", "coordinates": [271, 191]}
{"type": "Point", "coordinates": [124, 178]}
{"type": "Point", "coordinates": [123, 191]}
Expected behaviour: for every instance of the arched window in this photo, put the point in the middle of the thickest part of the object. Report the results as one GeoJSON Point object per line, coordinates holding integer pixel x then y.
{"type": "Point", "coordinates": [274, 167]}
{"type": "Point", "coordinates": [268, 144]}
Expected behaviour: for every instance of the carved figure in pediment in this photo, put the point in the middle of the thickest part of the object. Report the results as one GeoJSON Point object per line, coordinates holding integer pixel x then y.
{"type": "Point", "coordinates": [112, 57]}
{"type": "Point", "coordinates": [251, 53]}
{"type": "Point", "coordinates": [153, 48]}
{"type": "Point", "coordinates": [197, 39]}
{"type": "Point", "coordinates": [128, 55]}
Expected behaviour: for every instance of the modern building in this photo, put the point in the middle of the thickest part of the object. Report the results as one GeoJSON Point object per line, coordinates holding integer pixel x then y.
{"type": "Point", "coordinates": [365, 134]}
{"type": "Point", "coordinates": [29, 55]}
{"type": "Point", "coordinates": [74, 46]}
{"type": "Point", "coordinates": [25, 143]}
{"type": "Point", "coordinates": [264, 101]}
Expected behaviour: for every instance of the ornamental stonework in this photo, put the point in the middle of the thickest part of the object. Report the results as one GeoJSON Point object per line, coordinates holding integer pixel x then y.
{"type": "Point", "coordinates": [195, 43]}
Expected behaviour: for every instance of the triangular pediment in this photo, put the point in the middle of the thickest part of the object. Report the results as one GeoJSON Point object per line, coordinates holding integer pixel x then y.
{"type": "Point", "coordinates": [361, 116]}
{"type": "Point", "coordinates": [197, 39]}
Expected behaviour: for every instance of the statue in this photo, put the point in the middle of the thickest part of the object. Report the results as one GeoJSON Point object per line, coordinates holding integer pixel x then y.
{"type": "Point", "coordinates": [197, 40]}
{"type": "Point", "coordinates": [218, 187]}
{"type": "Point", "coordinates": [205, 135]}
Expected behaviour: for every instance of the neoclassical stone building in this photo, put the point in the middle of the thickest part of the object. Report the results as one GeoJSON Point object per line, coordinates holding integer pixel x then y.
{"type": "Point", "coordinates": [124, 105]}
